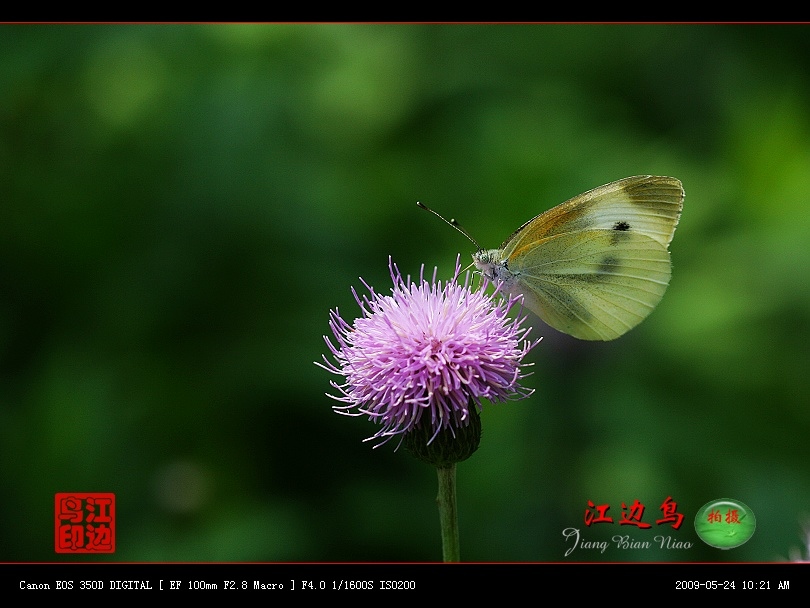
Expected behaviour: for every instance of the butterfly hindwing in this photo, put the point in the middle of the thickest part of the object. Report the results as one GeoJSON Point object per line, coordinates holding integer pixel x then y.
{"type": "Point", "coordinates": [592, 285]}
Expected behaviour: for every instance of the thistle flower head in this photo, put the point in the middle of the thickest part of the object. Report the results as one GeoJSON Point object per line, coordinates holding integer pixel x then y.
{"type": "Point", "coordinates": [426, 355]}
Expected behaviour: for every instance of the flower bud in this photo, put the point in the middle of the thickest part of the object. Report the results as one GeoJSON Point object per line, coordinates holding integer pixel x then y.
{"type": "Point", "coordinates": [449, 446]}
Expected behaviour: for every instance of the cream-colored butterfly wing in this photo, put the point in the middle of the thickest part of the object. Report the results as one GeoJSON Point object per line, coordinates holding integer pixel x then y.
{"type": "Point", "coordinates": [595, 266]}
{"type": "Point", "coordinates": [592, 285]}
{"type": "Point", "coordinates": [647, 204]}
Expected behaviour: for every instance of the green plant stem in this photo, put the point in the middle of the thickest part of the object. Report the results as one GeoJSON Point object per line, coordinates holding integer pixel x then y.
{"type": "Point", "coordinates": [448, 517]}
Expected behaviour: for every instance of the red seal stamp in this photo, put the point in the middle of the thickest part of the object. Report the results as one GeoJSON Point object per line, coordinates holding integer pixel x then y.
{"type": "Point", "coordinates": [85, 522]}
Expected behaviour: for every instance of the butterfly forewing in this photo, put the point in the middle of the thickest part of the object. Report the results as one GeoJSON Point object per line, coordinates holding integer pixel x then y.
{"type": "Point", "coordinates": [647, 204]}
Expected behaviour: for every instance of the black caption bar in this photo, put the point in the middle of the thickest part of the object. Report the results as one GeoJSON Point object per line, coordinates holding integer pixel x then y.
{"type": "Point", "coordinates": [575, 579]}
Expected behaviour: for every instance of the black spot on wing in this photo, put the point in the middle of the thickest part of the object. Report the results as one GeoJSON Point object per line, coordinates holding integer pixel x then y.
{"type": "Point", "coordinates": [608, 265]}
{"type": "Point", "coordinates": [619, 232]}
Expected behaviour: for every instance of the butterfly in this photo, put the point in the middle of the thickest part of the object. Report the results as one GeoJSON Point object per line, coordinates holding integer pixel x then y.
{"type": "Point", "coordinates": [597, 265]}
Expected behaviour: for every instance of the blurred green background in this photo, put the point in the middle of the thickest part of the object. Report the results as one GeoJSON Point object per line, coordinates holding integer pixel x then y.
{"type": "Point", "coordinates": [182, 205]}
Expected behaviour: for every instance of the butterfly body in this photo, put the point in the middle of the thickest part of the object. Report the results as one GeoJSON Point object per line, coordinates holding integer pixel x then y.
{"type": "Point", "coordinates": [595, 266]}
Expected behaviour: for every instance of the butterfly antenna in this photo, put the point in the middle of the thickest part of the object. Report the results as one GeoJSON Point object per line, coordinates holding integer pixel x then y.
{"type": "Point", "coordinates": [450, 222]}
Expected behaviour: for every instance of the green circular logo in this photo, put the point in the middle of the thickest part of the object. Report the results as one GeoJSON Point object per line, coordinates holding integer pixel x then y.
{"type": "Point", "coordinates": [725, 523]}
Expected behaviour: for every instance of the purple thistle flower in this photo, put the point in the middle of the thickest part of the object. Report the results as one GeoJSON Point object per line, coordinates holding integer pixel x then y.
{"type": "Point", "coordinates": [426, 354]}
